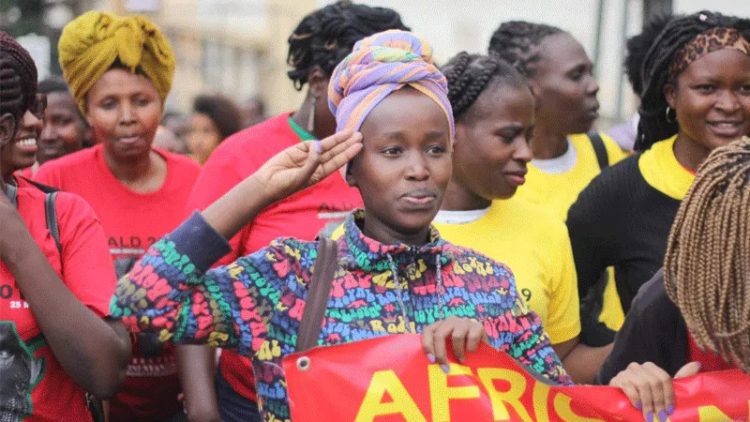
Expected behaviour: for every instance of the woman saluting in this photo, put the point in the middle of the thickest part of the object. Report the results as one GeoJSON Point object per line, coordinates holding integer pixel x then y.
{"type": "Point", "coordinates": [411, 279]}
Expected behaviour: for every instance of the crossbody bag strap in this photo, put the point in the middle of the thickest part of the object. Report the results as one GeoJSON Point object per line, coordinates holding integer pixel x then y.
{"type": "Point", "coordinates": [51, 216]}
{"type": "Point", "coordinates": [318, 292]}
{"type": "Point", "coordinates": [599, 149]}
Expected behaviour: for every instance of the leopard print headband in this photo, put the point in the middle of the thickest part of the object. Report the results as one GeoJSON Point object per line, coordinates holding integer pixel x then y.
{"type": "Point", "coordinates": [714, 39]}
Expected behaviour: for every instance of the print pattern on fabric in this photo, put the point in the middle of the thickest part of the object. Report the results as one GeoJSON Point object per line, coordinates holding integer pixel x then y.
{"type": "Point", "coordinates": [255, 304]}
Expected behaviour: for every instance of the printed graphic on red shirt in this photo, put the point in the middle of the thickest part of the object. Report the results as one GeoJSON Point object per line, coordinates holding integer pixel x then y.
{"type": "Point", "coordinates": [20, 372]}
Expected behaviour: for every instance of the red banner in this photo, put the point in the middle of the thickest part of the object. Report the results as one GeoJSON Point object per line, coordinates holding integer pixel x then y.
{"type": "Point", "coordinates": [390, 379]}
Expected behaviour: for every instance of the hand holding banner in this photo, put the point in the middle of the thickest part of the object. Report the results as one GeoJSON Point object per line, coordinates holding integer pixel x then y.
{"type": "Point", "coordinates": [390, 379]}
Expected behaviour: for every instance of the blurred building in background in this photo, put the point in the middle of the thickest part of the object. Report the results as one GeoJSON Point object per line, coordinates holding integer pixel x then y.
{"type": "Point", "coordinates": [238, 47]}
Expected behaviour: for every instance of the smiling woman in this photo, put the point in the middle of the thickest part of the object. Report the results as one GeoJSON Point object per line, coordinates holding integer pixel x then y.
{"type": "Point", "coordinates": [414, 281]}
{"type": "Point", "coordinates": [57, 344]}
{"type": "Point", "coordinates": [696, 98]}
{"type": "Point", "coordinates": [138, 192]}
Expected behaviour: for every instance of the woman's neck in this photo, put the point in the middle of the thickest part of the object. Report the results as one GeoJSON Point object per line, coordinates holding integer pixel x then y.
{"type": "Point", "coordinates": [547, 144]}
{"type": "Point", "coordinates": [689, 153]}
{"type": "Point", "coordinates": [460, 198]}
{"type": "Point", "coordinates": [141, 174]}
{"type": "Point", "coordinates": [375, 229]}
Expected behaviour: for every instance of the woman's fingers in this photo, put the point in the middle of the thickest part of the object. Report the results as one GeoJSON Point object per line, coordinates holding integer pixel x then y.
{"type": "Point", "coordinates": [464, 334]}
{"type": "Point", "coordinates": [458, 341]}
{"type": "Point", "coordinates": [428, 342]}
{"type": "Point", "coordinates": [476, 335]}
{"type": "Point", "coordinates": [648, 388]}
{"type": "Point", "coordinates": [690, 369]}
{"type": "Point", "coordinates": [662, 392]}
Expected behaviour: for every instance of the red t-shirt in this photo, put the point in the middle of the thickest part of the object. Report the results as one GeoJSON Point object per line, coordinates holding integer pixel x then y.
{"type": "Point", "coordinates": [132, 222]}
{"type": "Point", "coordinates": [27, 366]}
{"type": "Point", "coordinates": [301, 215]}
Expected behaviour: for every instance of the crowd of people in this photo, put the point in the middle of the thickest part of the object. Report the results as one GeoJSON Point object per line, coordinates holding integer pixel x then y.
{"type": "Point", "coordinates": [138, 244]}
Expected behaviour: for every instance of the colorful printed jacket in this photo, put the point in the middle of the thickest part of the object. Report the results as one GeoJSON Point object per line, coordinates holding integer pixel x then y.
{"type": "Point", "coordinates": [255, 304]}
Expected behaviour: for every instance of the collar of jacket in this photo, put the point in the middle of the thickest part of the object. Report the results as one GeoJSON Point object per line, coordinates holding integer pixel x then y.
{"type": "Point", "coordinates": [369, 255]}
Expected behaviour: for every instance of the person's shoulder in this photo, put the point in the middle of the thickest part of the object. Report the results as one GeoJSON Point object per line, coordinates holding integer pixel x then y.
{"type": "Point", "coordinates": [652, 296]}
{"type": "Point", "coordinates": [261, 136]}
{"type": "Point", "coordinates": [73, 204]}
{"type": "Point", "coordinates": [254, 145]}
{"type": "Point", "coordinates": [83, 157]}
{"type": "Point", "coordinates": [542, 219]}
{"type": "Point", "coordinates": [179, 161]}
{"type": "Point", "coordinates": [464, 255]}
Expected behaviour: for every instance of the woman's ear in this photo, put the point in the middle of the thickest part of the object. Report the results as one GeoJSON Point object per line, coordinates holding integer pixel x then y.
{"type": "Point", "coordinates": [669, 93]}
{"type": "Point", "coordinates": [318, 82]}
{"type": "Point", "coordinates": [7, 128]}
{"type": "Point", "coordinates": [350, 179]}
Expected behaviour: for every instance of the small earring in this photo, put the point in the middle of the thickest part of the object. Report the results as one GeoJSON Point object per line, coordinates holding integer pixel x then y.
{"type": "Point", "coordinates": [311, 116]}
{"type": "Point", "coordinates": [668, 117]}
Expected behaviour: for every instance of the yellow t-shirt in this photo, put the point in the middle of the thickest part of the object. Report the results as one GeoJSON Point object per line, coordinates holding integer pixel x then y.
{"type": "Point", "coordinates": [536, 247]}
{"type": "Point", "coordinates": [663, 172]}
{"type": "Point", "coordinates": [556, 188]}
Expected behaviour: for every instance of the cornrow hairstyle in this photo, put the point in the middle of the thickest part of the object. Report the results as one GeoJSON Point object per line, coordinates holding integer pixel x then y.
{"type": "Point", "coordinates": [324, 37]}
{"type": "Point", "coordinates": [517, 42]}
{"type": "Point", "coordinates": [654, 125]}
{"type": "Point", "coordinates": [469, 75]}
{"type": "Point", "coordinates": [222, 111]}
{"type": "Point", "coordinates": [706, 266]}
{"type": "Point", "coordinates": [637, 46]}
{"type": "Point", "coordinates": [17, 77]}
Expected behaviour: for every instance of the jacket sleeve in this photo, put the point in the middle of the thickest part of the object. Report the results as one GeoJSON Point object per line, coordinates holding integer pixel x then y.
{"type": "Point", "coordinates": [171, 294]}
{"type": "Point", "coordinates": [528, 343]}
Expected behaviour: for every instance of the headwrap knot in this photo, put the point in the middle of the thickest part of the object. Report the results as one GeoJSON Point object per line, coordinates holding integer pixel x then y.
{"type": "Point", "coordinates": [378, 65]}
{"type": "Point", "coordinates": [91, 43]}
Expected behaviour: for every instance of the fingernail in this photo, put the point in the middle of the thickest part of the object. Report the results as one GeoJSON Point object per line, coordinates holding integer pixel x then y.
{"type": "Point", "coordinates": [431, 357]}
{"type": "Point", "coordinates": [445, 368]}
{"type": "Point", "coordinates": [639, 405]}
{"type": "Point", "coordinates": [317, 146]}
{"type": "Point", "coordinates": [650, 417]}
{"type": "Point", "coordinates": [670, 409]}
{"type": "Point", "coordinates": [662, 416]}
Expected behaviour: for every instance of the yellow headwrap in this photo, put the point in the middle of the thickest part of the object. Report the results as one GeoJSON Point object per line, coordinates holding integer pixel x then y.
{"type": "Point", "coordinates": [91, 43]}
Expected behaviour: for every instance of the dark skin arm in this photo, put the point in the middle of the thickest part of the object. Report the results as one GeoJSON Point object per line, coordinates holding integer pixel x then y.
{"type": "Point", "coordinates": [195, 366]}
{"type": "Point", "coordinates": [94, 352]}
{"type": "Point", "coordinates": [581, 361]}
{"type": "Point", "coordinates": [288, 172]}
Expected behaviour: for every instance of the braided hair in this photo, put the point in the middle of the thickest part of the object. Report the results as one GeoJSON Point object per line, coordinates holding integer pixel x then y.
{"type": "Point", "coordinates": [517, 42]}
{"type": "Point", "coordinates": [17, 77]}
{"type": "Point", "coordinates": [637, 46]}
{"type": "Point", "coordinates": [654, 124]}
{"type": "Point", "coordinates": [469, 75]}
{"type": "Point", "coordinates": [324, 37]}
{"type": "Point", "coordinates": [706, 266]}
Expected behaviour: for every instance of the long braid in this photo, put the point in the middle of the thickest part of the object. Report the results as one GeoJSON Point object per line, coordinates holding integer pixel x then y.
{"type": "Point", "coordinates": [469, 75]}
{"type": "Point", "coordinates": [706, 266]}
{"type": "Point", "coordinates": [17, 77]}
{"type": "Point", "coordinates": [517, 42]}
{"type": "Point", "coordinates": [654, 125]}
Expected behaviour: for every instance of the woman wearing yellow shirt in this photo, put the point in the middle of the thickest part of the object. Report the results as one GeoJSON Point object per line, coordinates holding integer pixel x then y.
{"type": "Point", "coordinates": [696, 97]}
{"type": "Point", "coordinates": [565, 159]}
{"type": "Point", "coordinates": [494, 111]}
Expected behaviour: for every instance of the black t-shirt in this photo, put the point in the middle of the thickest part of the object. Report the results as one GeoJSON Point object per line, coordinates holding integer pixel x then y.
{"type": "Point", "coordinates": [619, 220]}
{"type": "Point", "coordinates": [654, 331]}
